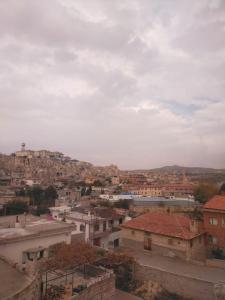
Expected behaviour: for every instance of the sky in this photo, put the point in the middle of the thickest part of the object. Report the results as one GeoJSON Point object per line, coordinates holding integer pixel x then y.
{"type": "Point", "coordinates": [136, 83]}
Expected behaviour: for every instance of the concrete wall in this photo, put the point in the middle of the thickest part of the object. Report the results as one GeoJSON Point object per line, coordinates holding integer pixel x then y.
{"type": "Point", "coordinates": [195, 289]}
{"type": "Point", "coordinates": [14, 251]}
{"type": "Point", "coordinates": [30, 292]}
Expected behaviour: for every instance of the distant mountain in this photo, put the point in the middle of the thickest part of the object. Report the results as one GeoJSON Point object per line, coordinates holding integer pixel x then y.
{"type": "Point", "coordinates": [180, 169]}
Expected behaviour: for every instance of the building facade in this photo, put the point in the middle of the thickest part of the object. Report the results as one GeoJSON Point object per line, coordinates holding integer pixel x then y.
{"type": "Point", "coordinates": [214, 223]}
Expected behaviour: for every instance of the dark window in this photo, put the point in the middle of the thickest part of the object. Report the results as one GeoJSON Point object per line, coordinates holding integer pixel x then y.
{"type": "Point", "coordinates": [104, 226]}
{"type": "Point", "coordinates": [82, 227]}
{"type": "Point", "coordinates": [96, 227]}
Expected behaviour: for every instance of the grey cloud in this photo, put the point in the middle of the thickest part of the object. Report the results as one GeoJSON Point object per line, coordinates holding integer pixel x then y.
{"type": "Point", "coordinates": [137, 83]}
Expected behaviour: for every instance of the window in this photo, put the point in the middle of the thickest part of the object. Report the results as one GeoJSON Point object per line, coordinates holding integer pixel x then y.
{"type": "Point", "coordinates": [82, 227]}
{"type": "Point", "coordinates": [104, 226]}
{"type": "Point", "coordinates": [223, 222]}
{"type": "Point", "coordinates": [213, 221]}
{"type": "Point", "coordinates": [212, 239]}
{"type": "Point", "coordinates": [200, 239]}
{"type": "Point", "coordinates": [96, 227]}
{"type": "Point", "coordinates": [133, 232]}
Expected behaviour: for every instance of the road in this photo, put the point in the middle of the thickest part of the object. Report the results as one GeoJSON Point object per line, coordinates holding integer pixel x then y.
{"type": "Point", "coordinates": [178, 266]}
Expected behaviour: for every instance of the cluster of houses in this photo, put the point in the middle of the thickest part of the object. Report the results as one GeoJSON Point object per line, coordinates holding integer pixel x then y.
{"type": "Point", "coordinates": [178, 235]}
{"type": "Point", "coordinates": [25, 239]}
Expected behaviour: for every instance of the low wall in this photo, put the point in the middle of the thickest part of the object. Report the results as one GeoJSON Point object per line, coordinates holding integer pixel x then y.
{"type": "Point", "coordinates": [218, 263]}
{"type": "Point", "coordinates": [185, 286]}
{"type": "Point", "coordinates": [101, 290]}
{"type": "Point", "coordinates": [30, 292]}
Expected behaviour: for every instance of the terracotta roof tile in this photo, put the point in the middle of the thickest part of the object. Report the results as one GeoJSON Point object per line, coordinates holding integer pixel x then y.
{"type": "Point", "coordinates": [217, 202]}
{"type": "Point", "coordinates": [163, 223]}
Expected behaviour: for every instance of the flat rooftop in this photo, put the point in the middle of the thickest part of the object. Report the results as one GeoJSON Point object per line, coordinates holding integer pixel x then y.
{"type": "Point", "coordinates": [11, 280]}
{"type": "Point", "coordinates": [29, 225]}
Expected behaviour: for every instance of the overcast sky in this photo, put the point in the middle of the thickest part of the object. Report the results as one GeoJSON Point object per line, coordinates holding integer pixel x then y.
{"type": "Point", "coordinates": [137, 83]}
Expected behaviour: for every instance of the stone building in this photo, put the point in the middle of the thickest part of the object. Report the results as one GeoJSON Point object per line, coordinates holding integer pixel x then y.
{"type": "Point", "coordinates": [166, 234]}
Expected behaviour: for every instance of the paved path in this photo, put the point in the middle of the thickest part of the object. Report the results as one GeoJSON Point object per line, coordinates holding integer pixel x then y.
{"type": "Point", "coordinates": [120, 295]}
{"type": "Point", "coordinates": [178, 266]}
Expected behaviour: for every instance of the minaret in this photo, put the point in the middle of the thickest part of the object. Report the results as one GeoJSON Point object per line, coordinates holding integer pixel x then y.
{"type": "Point", "coordinates": [23, 146]}
{"type": "Point", "coordinates": [184, 177]}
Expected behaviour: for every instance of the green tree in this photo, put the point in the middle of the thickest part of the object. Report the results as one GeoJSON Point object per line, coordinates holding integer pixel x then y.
{"type": "Point", "coordinates": [36, 194]}
{"type": "Point", "coordinates": [222, 189]}
{"type": "Point", "coordinates": [122, 203]}
{"type": "Point", "coordinates": [204, 191]}
{"type": "Point", "coordinates": [98, 183]}
{"type": "Point", "coordinates": [88, 191]}
{"type": "Point", "coordinates": [15, 207]}
{"type": "Point", "coordinates": [50, 195]}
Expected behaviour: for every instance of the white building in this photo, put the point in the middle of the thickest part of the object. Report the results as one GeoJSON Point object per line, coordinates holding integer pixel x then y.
{"type": "Point", "coordinates": [23, 236]}
{"type": "Point", "coordinates": [101, 227]}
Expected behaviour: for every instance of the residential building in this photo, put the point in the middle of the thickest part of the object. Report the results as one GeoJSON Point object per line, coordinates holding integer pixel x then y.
{"type": "Point", "coordinates": [100, 226]}
{"type": "Point", "coordinates": [166, 234]}
{"type": "Point", "coordinates": [24, 236]}
{"type": "Point", "coordinates": [214, 222]}
{"type": "Point", "coordinates": [115, 180]}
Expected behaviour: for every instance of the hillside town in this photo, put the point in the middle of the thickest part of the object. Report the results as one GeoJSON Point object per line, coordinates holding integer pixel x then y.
{"type": "Point", "coordinates": [112, 150]}
{"type": "Point", "coordinates": [66, 226]}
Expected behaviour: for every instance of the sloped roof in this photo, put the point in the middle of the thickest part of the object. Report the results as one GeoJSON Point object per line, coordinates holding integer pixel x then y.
{"type": "Point", "coordinates": [163, 223]}
{"type": "Point", "coordinates": [217, 202]}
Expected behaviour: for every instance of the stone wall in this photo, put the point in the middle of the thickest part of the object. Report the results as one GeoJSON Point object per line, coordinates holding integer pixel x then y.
{"type": "Point", "coordinates": [218, 263]}
{"type": "Point", "coordinates": [102, 290]}
{"type": "Point", "coordinates": [185, 286]}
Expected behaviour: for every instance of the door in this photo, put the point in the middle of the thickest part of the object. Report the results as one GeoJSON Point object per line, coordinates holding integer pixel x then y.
{"type": "Point", "coordinates": [148, 244]}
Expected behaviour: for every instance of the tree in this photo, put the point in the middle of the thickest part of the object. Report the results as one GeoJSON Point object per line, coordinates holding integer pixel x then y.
{"type": "Point", "coordinates": [204, 191]}
{"type": "Point", "coordinates": [122, 203]}
{"type": "Point", "coordinates": [88, 191]}
{"type": "Point", "coordinates": [50, 195]}
{"type": "Point", "coordinates": [15, 207]}
{"type": "Point", "coordinates": [222, 189]}
{"type": "Point", "coordinates": [83, 191]}
{"type": "Point", "coordinates": [66, 256]}
{"type": "Point", "coordinates": [123, 266]}
{"type": "Point", "coordinates": [98, 183]}
{"type": "Point", "coordinates": [36, 194]}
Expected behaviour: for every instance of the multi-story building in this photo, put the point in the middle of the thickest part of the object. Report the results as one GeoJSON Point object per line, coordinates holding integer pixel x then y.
{"type": "Point", "coordinates": [178, 190]}
{"type": "Point", "coordinates": [150, 190]}
{"type": "Point", "coordinates": [214, 222]}
{"type": "Point", "coordinates": [100, 226]}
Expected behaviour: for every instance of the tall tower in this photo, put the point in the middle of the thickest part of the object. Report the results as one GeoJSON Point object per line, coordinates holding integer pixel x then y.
{"type": "Point", "coordinates": [23, 146]}
{"type": "Point", "coordinates": [184, 177]}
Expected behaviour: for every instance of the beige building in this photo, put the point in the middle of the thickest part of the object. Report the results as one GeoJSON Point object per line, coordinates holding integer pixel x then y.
{"type": "Point", "coordinates": [22, 236]}
{"type": "Point", "coordinates": [166, 234]}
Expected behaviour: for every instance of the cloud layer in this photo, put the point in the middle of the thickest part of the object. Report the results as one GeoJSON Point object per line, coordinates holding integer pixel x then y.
{"type": "Point", "coordinates": [136, 83]}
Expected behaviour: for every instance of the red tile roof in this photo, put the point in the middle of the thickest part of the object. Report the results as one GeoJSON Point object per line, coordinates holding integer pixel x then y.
{"type": "Point", "coordinates": [163, 223]}
{"type": "Point", "coordinates": [217, 202]}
